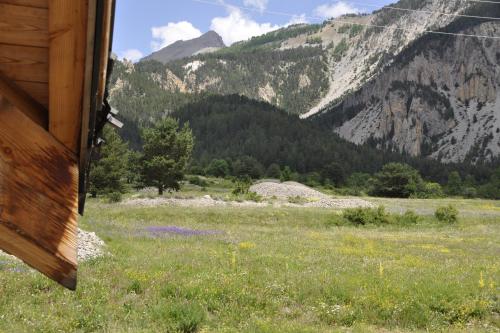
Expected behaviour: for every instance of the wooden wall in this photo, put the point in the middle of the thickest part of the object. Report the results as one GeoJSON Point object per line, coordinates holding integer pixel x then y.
{"type": "Point", "coordinates": [24, 45]}
{"type": "Point", "coordinates": [44, 51]}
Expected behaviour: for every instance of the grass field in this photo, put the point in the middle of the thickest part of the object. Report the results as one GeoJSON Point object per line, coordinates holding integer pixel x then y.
{"type": "Point", "coordinates": [270, 270]}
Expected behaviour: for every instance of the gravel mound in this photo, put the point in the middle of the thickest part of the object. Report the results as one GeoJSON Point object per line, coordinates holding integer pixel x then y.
{"type": "Point", "coordinates": [90, 246]}
{"type": "Point", "coordinates": [313, 198]}
{"type": "Point", "coordinates": [286, 190]}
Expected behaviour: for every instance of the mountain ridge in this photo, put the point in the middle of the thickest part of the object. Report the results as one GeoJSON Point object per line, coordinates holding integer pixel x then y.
{"type": "Point", "coordinates": [210, 41]}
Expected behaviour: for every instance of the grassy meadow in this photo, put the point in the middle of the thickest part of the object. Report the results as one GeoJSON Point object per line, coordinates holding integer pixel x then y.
{"type": "Point", "coordinates": [270, 270]}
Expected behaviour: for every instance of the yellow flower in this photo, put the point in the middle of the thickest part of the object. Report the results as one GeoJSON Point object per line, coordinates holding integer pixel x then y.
{"type": "Point", "coordinates": [381, 269]}
{"type": "Point", "coordinates": [247, 245]}
{"type": "Point", "coordinates": [481, 281]}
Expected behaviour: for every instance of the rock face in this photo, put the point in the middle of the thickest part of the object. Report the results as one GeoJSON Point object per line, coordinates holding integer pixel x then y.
{"type": "Point", "coordinates": [440, 97]}
{"type": "Point", "coordinates": [209, 42]}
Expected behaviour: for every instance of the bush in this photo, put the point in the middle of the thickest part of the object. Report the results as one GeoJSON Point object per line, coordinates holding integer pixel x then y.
{"type": "Point", "coordinates": [242, 186]}
{"type": "Point", "coordinates": [410, 217]}
{"type": "Point", "coordinates": [114, 197]}
{"type": "Point", "coordinates": [448, 214]}
{"type": "Point", "coordinates": [364, 216]}
{"type": "Point", "coordinates": [252, 196]}
{"type": "Point", "coordinates": [218, 168]}
{"type": "Point", "coordinates": [198, 181]}
{"type": "Point", "coordinates": [397, 180]}
{"type": "Point", "coordinates": [274, 171]}
{"type": "Point", "coordinates": [429, 191]}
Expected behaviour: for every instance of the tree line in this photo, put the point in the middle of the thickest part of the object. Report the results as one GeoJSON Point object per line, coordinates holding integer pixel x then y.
{"type": "Point", "coordinates": [241, 138]}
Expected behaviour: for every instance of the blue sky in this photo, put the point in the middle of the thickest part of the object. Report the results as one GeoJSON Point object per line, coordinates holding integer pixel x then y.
{"type": "Point", "coordinates": [143, 26]}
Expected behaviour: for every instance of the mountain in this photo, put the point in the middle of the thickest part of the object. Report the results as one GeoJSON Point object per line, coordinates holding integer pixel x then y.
{"type": "Point", "coordinates": [209, 42]}
{"type": "Point", "coordinates": [379, 79]}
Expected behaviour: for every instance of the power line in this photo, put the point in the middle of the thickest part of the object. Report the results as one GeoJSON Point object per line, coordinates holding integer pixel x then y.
{"type": "Point", "coordinates": [485, 1]}
{"type": "Point", "coordinates": [341, 20]}
{"type": "Point", "coordinates": [423, 11]}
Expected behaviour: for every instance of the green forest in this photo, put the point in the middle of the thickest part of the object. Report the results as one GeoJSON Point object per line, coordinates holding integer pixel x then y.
{"type": "Point", "coordinates": [235, 136]}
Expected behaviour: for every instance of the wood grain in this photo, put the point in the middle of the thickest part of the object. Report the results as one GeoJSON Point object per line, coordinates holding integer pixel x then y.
{"type": "Point", "coordinates": [67, 29]}
{"type": "Point", "coordinates": [39, 91]}
{"type": "Point", "coordinates": [26, 26]}
{"type": "Point", "coordinates": [28, 3]}
{"type": "Point", "coordinates": [38, 197]}
{"type": "Point", "coordinates": [24, 63]}
{"type": "Point", "coordinates": [23, 101]}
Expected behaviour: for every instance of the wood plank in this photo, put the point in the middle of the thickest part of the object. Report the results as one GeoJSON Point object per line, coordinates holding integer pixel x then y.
{"type": "Point", "coordinates": [24, 63]}
{"type": "Point", "coordinates": [24, 25]}
{"type": "Point", "coordinates": [28, 3]}
{"type": "Point", "coordinates": [38, 197]}
{"type": "Point", "coordinates": [87, 87]}
{"type": "Point", "coordinates": [67, 29]}
{"type": "Point", "coordinates": [106, 36]}
{"type": "Point", "coordinates": [23, 101]}
{"type": "Point", "coordinates": [39, 91]}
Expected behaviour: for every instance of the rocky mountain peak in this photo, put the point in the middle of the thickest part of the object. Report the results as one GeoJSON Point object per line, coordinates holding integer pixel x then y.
{"type": "Point", "coordinates": [209, 42]}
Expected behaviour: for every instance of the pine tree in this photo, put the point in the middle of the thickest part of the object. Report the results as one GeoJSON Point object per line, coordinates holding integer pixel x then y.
{"type": "Point", "coordinates": [454, 186]}
{"type": "Point", "coordinates": [167, 151]}
{"type": "Point", "coordinates": [109, 172]}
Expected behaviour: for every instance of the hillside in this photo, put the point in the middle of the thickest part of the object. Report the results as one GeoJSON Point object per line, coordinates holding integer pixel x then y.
{"type": "Point", "coordinates": [235, 127]}
{"type": "Point", "coordinates": [404, 90]}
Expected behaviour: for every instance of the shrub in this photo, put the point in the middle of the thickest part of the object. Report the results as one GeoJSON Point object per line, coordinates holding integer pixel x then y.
{"type": "Point", "coordinates": [198, 181]}
{"type": "Point", "coordinates": [252, 196]}
{"type": "Point", "coordinates": [242, 186]}
{"type": "Point", "coordinates": [410, 217]}
{"type": "Point", "coordinates": [429, 191]}
{"type": "Point", "coordinates": [396, 180]}
{"type": "Point", "coordinates": [114, 197]}
{"type": "Point", "coordinates": [218, 168]}
{"type": "Point", "coordinates": [448, 214]}
{"type": "Point", "coordinates": [274, 171]}
{"type": "Point", "coordinates": [364, 216]}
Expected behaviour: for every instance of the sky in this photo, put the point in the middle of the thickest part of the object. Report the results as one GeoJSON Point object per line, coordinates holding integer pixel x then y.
{"type": "Point", "coordinates": [145, 26]}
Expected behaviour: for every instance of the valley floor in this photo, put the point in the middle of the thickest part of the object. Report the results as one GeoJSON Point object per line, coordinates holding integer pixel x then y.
{"type": "Point", "coordinates": [268, 269]}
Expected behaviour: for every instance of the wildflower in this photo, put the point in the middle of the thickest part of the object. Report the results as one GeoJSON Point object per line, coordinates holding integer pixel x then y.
{"type": "Point", "coordinates": [380, 269]}
{"type": "Point", "coordinates": [247, 245]}
{"type": "Point", "coordinates": [481, 281]}
{"type": "Point", "coordinates": [492, 284]}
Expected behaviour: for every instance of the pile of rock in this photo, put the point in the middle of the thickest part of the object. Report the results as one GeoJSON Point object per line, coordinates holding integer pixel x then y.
{"type": "Point", "coordinates": [90, 246]}
{"type": "Point", "coordinates": [286, 190]}
{"type": "Point", "coordinates": [311, 197]}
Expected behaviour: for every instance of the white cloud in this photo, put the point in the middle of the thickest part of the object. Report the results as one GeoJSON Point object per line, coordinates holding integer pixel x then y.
{"type": "Point", "coordinates": [298, 19]}
{"type": "Point", "coordinates": [335, 10]}
{"type": "Point", "coordinates": [172, 32]}
{"type": "Point", "coordinates": [132, 55]}
{"type": "Point", "coordinates": [261, 5]}
{"type": "Point", "coordinates": [237, 26]}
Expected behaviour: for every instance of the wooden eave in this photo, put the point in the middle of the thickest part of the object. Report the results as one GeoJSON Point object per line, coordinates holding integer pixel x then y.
{"type": "Point", "coordinates": [53, 66]}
